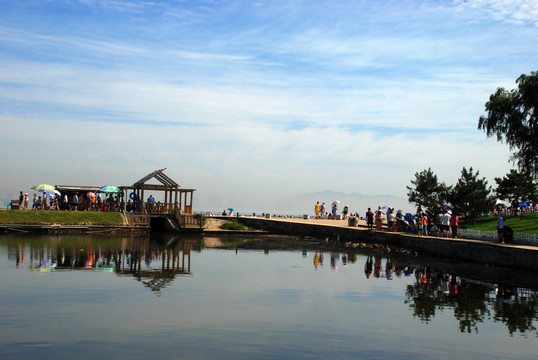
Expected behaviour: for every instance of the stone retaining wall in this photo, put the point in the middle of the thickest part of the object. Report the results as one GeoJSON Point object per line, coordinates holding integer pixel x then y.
{"type": "Point", "coordinates": [520, 257]}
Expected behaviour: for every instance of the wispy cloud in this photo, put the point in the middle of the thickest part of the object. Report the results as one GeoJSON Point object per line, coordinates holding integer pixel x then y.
{"type": "Point", "coordinates": [282, 96]}
{"type": "Point", "coordinates": [519, 12]}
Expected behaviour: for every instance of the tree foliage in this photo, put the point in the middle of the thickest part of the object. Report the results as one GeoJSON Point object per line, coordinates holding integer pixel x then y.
{"type": "Point", "coordinates": [471, 195]}
{"type": "Point", "coordinates": [427, 191]}
{"type": "Point", "coordinates": [517, 187]}
{"type": "Point", "coordinates": [512, 118]}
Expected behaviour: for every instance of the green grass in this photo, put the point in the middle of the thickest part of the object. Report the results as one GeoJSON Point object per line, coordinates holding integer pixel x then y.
{"type": "Point", "coordinates": [232, 225]}
{"type": "Point", "coordinates": [31, 217]}
{"type": "Point", "coordinates": [528, 224]}
{"type": "Point", "coordinates": [202, 218]}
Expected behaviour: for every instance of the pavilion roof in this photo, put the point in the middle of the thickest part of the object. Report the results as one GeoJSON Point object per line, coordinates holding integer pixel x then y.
{"type": "Point", "coordinates": [160, 176]}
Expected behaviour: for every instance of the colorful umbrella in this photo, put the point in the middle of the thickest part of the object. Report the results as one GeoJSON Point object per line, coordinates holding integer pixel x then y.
{"type": "Point", "coordinates": [109, 189]}
{"type": "Point", "coordinates": [50, 194]}
{"type": "Point", "coordinates": [503, 203]}
{"type": "Point", "coordinates": [44, 187]}
{"type": "Point", "coordinates": [90, 194]}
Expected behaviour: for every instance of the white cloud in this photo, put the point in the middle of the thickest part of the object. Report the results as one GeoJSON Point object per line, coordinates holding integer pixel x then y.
{"type": "Point", "coordinates": [291, 99]}
{"type": "Point", "coordinates": [519, 12]}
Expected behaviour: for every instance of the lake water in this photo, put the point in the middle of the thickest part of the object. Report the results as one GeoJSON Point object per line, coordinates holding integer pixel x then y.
{"type": "Point", "coordinates": [83, 297]}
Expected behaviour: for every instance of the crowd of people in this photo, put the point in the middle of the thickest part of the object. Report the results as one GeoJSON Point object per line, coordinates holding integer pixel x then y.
{"type": "Point", "coordinates": [443, 223]}
{"type": "Point", "coordinates": [71, 201]}
{"type": "Point", "coordinates": [87, 201]}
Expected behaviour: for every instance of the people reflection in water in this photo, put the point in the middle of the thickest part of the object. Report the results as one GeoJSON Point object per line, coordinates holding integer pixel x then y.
{"type": "Point", "coordinates": [333, 261]}
{"type": "Point", "coordinates": [368, 265]}
{"type": "Point", "coordinates": [499, 297]}
{"type": "Point", "coordinates": [316, 260]}
{"type": "Point", "coordinates": [377, 266]}
{"type": "Point", "coordinates": [344, 259]}
{"type": "Point", "coordinates": [389, 267]}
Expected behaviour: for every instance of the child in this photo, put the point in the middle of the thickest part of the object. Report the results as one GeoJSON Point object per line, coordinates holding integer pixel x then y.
{"type": "Point", "coordinates": [419, 225]}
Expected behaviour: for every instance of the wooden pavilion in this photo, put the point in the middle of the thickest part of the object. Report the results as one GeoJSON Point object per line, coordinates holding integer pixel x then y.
{"type": "Point", "coordinates": [177, 200]}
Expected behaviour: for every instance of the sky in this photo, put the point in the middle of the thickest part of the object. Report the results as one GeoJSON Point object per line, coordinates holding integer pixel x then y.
{"type": "Point", "coordinates": [252, 102]}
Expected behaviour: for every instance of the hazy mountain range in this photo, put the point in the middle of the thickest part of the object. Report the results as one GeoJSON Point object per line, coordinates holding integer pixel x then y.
{"type": "Point", "coordinates": [304, 203]}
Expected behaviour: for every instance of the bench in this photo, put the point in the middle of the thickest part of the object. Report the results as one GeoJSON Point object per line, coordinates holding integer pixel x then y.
{"type": "Point", "coordinates": [15, 204]}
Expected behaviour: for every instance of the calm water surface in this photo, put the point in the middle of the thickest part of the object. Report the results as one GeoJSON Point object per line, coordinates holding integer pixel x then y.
{"type": "Point", "coordinates": [91, 297]}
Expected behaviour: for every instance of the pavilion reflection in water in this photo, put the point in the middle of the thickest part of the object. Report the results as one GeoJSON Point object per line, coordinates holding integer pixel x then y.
{"type": "Point", "coordinates": [154, 264]}
{"type": "Point", "coordinates": [471, 296]}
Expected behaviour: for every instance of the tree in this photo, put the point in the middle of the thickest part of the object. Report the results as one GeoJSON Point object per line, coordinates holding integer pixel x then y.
{"type": "Point", "coordinates": [427, 191]}
{"type": "Point", "coordinates": [471, 195]}
{"type": "Point", "coordinates": [517, 187]}
{"type": "Point", "coordinates": [512, 117]}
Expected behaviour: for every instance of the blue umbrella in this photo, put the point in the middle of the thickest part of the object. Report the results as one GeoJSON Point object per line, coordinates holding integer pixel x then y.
{"type": "Point", "coordinates": [231, 209]}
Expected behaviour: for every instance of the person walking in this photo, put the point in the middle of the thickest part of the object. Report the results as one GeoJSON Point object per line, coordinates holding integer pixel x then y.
{"type": "Point", "coordinates": [322, 210]}
{"type": "Point", "coordinates": [378, 218]}
{"type": "Point", "coordinates": [335, 210]}
{"type": "Point", "coordinates": [370, 219]}
{"type": "Point", "coordinates": [21, 201]}
{"type": "Point", "coordinates": [390, 219]}
{"type": "Point", "coordinates": [500, 230]}
{"type": "Point", "coordinates": [317, 210]}
{"type": "Point", "coordinates": [454, 224]}
{"type": "Point", "coordinates": [446, 224]}
{"type": "Point", "coordinates": [75, 202]}
{"type": "Point", "coordinates": [424, 224]}
{"type": "Point", "coordinates": [420, 225]}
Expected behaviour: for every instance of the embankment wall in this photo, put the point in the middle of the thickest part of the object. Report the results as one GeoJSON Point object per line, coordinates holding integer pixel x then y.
{"type": "Point", "coordinates": [520, 257]}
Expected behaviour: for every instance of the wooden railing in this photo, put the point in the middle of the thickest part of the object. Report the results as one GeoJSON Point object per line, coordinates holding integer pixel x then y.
{"type": "Point", "coordinates": [187, 220]}
{"type": "Point", "coordinates": [137, 219]}
{"type": "Point", "coordinates": [191, 220]}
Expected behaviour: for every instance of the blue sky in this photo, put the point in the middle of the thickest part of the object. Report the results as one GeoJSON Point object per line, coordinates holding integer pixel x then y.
{"type": "Point", "coordinates": [250, 102]}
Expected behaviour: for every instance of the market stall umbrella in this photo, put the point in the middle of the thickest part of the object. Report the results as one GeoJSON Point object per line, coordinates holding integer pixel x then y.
{"type": "Point", "coordinates": [503, 203]}
{"type": "Point", "coordinates": [109, 189]}
{"type": "Point", "coordinates": [44, 188]}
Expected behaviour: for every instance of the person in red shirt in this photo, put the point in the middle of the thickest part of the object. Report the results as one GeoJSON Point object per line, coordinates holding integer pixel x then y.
{"type": "Point", "coordinates": [454, 219]}
{"type": "Point", "coordinates": [370, 219]}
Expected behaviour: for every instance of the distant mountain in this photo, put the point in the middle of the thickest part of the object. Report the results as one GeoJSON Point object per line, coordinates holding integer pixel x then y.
{"type": "Point", "coordinates": [303, 204]}
{"type": "Point", "coordinates": [357, 202]}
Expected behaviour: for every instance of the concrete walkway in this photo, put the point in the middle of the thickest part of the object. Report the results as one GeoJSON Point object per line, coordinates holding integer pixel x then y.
{"type": "Point", "coordinates": [364, 227]}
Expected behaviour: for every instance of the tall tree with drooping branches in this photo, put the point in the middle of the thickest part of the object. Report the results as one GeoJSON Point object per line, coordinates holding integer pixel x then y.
{"type": "Point", "coordinates": [512, 116]}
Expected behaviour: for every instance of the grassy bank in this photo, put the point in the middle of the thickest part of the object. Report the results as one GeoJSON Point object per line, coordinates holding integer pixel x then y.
{"type": "Point", "coordinates": [34, 217]}
{"type": "Point", "coordinates": [526, 224]}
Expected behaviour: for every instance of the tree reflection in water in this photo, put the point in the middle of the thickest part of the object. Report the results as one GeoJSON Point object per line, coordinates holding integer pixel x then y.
{"type": "Point", "coordinates": [156, 264]}
{"type": "Point", "coordinates": [471, 301]}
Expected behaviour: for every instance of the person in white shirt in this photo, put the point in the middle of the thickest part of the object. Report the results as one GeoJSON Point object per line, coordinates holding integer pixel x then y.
{"type": "Point", "coordinates": [446, 223]}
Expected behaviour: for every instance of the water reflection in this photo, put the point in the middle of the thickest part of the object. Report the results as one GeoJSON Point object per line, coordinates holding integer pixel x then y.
{"type": "Point", "coordinates": [428, 293]}
{"type": "Point", "coordinates": [434, 292]}
{"type": "Point", "coordinates": [154, 264]}
{"type": "Point", "coordinates": [471, 301]}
